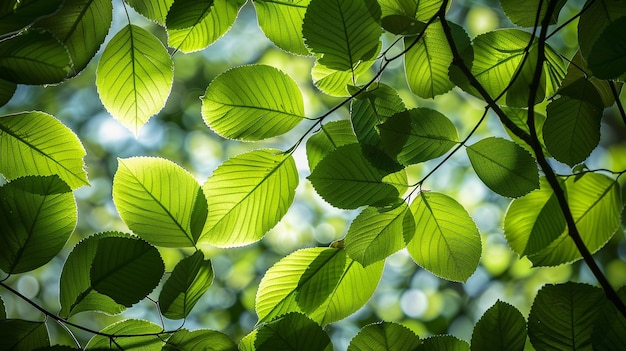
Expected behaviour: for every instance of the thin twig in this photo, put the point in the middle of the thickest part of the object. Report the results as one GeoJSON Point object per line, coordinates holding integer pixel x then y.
{"type": "Point", "coordinates": [618, 102]}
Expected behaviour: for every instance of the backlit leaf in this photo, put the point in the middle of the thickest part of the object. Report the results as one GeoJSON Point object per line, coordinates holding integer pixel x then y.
{"type": "Point", "coordinates": [36, 143]}
{"type": "Point", "coordinates": [292, 332]}
{"type": "Point", "coordinates": [446, 240]}
{"type": "Point", "coordinates": [519, 117]}
{"type": "Point", "coordinates": [598, 15]}
{"type": "Point", "coordinates": [421, 10]}
{"type": "Point", "coordinates": [524, 13]}
{"type": "Point", "coordinates": [502, 327]}
{"type": "Point", "coordinates": [443, 343]}
{"type": "Point", "coordinates": [203, 339]}
{"type": "Point", "coordinates": [17, 334]}
{"type": "Point", "coordinates": [37, 216]}
{"type": "Point", "coordinates": [252, 103]}
{"type": "Point", "coordinates": [191, 278]}
{"type": "Point", "coordinates": [159, 201]}
{"type": "Point", "coordinates": [187, 13]}
{"type": "Point", "coordinates": [505, 167]}
{"type": "Point", "coordinates": [247, 195]}
{"type": "Point", "coordinates": [609, 327]}
{"type": "Point", "coordinates": [578, 69]}
{"type": "Point", "coordinates": [155, 10]}
{"type": "Point", "coordinates": [282, 23]}
{"type": "Point", "coordinates": [134, 76]}
{"type": "Point", "coordinates": [384, 336]}
{"type": "Point", "coordinates": [372, 108]}
{"type": "Point", "coordinates": [336, 82]}
{"type": "Point", "coordinates": [330, 136]}
{"type": "Point", "coordinates": [125, 269]}
{"type": "Point", "coordinates": [607, 59]}
{"type": "Point", "coordinates": [350, 32]}
{"type": "Point", "coordinates": [23, 13]}
{"type": "Point", "coordinates": [129, 327]}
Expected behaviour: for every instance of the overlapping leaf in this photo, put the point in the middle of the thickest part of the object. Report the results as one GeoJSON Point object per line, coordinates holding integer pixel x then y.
{"type": "Point", "coordinates": [7, 89]}
{"type": "Point", "coordinates": [501, 327]}
{"type": "Point", "coordinates": [143, 342]}
{"type": "Point", "coordinates": [282, 23]}
{"type": "Point", "coordinates": [336, 82]}
{"type": "Point", "coordinates": [446, 240]}
{"type": "Point", "coordinates": [351, 32]}
{"type": "Point", "coordinates": [134, 76]}
{"type": "Point", "coordinates": [607, 331]}
{"type": "Point", "coordinates": [525, 13]}
{"type": "Point", "coordinates": [155, 10]}
{"type": "Point", "coordinates": [330, 136]}
{"type": "Point", "coordinates": [443, 343]}
{"type": "Point", "coordinates": [372, 108]}
{"type": "Point", "coordinates": [35, 143]}
{"type": "Point", "coordinates": [202, 339]}
{"type": "Point", "coordinates": [421, 10]}
{"type": "Point", "coordinates": [252, 103]}
{"type": "Point", "coordinates": [293, 331]}
{"type": "Point", "coordinates": [248, 194]}
{"type": "Point", "coordinates": [159, 201]}
{"type": "Point", "coordinates": [598, 15]}
{"type": "Point", "coordinates": [15, 15]}
{"type": "Point", "coordinates": [38, 216]}
{"type": "Point", "coordinates": [519, 117]}
{"type": "Point", "coordinates": [17, 334]}
{"type": "Point", "coordinates": [384, 336]}
{"type": "Point", "coordinates": [607, 59]}
{"type": "Point", "coordinates": [578, 69]}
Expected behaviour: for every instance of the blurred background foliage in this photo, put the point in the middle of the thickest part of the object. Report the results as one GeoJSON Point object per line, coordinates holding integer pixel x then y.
{"type": "Point", "coordinates": [406, 293]}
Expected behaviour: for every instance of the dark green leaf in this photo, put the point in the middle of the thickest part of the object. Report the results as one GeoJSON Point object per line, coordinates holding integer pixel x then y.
{"type": "Point", "coordinates": [402, 25]}
{"type": "Point", "coordinates": [524, 13]}
{"type": "Point", "coordinates": [185, 14]}
{"type": "Point", "coordinates": [443, 343]}
{"type": "Point", "coordinates": [578, 69]}
{"type": "Point", "coordinates": [502, 327]}
{"type": "Point", "coordinates": [292, 332]}
{"type": "Point", "coordinates": [330, 136]}
{"type": "Point", "coordinates": [252, 103]}
{"type": "Point", "coordinates": [16, 15]}
{"type": "Point", "coordinates": [505, 167]}
{"type": "Point", "coordinates": [126, 269]}
{"type": "Point", "coordinates": [21, 335]}
{"type": "Point", "coordinates": [519, 117]}
{"type": "Point", "coordinates": [34, 57]}
{"type": "Point", "coordinates": [150, 342]}
{"type": "Point", "coordinates": [3, 312]}
{"type": "Point", "coordinates": [203, 339]}
{"type": "Point", "coordinates": [155, 10]}
{"type": "Point", "coordinates": [607, 59]}
{"type": "Point", "coordinates": [384, 336]}
{"type": "Point", "coordinates": [350, 32]}
{"type": "Point", "coordinates": [37, 216]}
{"type": "Point", "coordinates": [598, 15]}
{"type": "Point", "coordinates": [563, 316]}
{"type": "Point", "coordinates": [7, 89]}
{"type": "Point", "coordinates": [282, 23]}
{"type": "Point", "coordinates": [372, 108]}
{"type": "Point", "coordinates": [608, 331]}
{"type": "Point", "coordinates": [190, 279]}
{"type": "Point", "coordinates": [346, 179]}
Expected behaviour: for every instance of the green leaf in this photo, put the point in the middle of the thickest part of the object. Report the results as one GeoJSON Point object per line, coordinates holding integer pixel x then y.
{"type": "Point", "coordinates": [377, 233]}
{"type": "Point", "coordinates": [607, 58]}
{"type": "Point", "coordinates": [534, 221]}
{"type": "Point", "coordinates": [76, 292]}
{"type": "Point", "coordinates": [502, 327]}
{"type": "Point", "coordinates": [330, 136]}
{"type": "Point", "coordinates": [323, 281]}
{"type": "Point", "coordinates": [519, 117]}
{"type": "Point", "coordinates": [155, 10]}
{"type": "Point", "coordinates": [39, 144]}
{"type": "Point", "coordinates": [443, 343]}
{"type": "Point", "coordinates": [505, 167]}
{"type": "Point", "coordinates": [81, 26]}
{"type": "Point", "coordinates": [346, 179]}
{"type": "Point", "coordinates": [38, 215]}
{"type": "Point", "coordinates": [595, 203]}
{"type": "Point", "coordinates": [421, 10]}
{"type": "Point", "coordinates": [187, 13]}
{"type": "Point", "coordinates": [190, 279]}
{"type": "Point", "coordinates": [402, 25]}
{"type": "Point", "coordinates": [293, 332]}
{"type": "Point", "coordinates": [384, 336]}
{"type": "Point", "coordinates": [578, 69]}
{"type": "Point", "coordinates": [572, 128]}
{"type": "Point", "coordinates": [128, 327]}
{"type": "Point", "coordinates": [18, 15]}
{"type": "Point", "coordinates": [155, 210]}
{"type": "Point", "coordinates": [21, 335]}
{"type": "Point", "coordinates": [208, 27]}
{"type": "Point", "coordinates": [33, 57]}
{"type": "Point", "coordinates": [134, 76]}
{"type": "Point", "coordinates": [282, 23]}
{"type": "Point", "coordinates": [252, 103]}
{"type": "Point", "coordinates": [446, 241]}
{"type": "Point", "coordinates": [428, 61]}
{"type": "Point", "coordinates": [7, 89]}
{"type": "Point", "coordinates": [335, 82]}
{"type": "Point", "coordinates": [418, 135]}
{"type": "Point", "coordinates": [3, 311]}
{"type": "Point", "coordinates": [524, 13]}
{"type": "Point", "coordinates": [372, 108]}
{"type": "Point", "coordinates": [126, 269]}
{"type": "Point", "coordinates": [202, 339]}
{"type": "Point", "coordinates": [562, 316]}
{"type": "Point", "coordinates": [609, 328]}
{"type": "Point", "coordinates": [248, 194]}
{"type": "Point", "coordinates": [598, 15]}
{"type": "Point", "coordinates": [351, 32]}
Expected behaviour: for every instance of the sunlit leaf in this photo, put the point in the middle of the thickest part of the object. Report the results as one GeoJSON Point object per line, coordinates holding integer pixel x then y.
{"type": "Point", "coordinates": [208, 27]}
{"type": "Point", "coordinates": [384, 336]}
{"type": "Point", "coordinates": [247, 195]}
{"type": "Point", "coordinates": [372, 108]}
{"type": "Point", "coordinates": [519, 117]}
{"type": "Point", "coordinates": [159, 201]}
{"type": "Point", "coordinates": [596, 204]}
{"type": "Point", "coordinates": [525, 14]}
{"type": "Point", "coordinates": [38, 215]}
{"type": "Point", "coordinates": [155, 10]}
{"type": "Point", "coordinates": [502, 327]}
{"type": "Point", "coordinates": [17, 334]}
{"type": "Point", "coordinates": [81, 26]}
{"type": "Point", "coordinates": [598, 15]}
{"type": "Point", "coordinates": [76, 292]}
{"type": "Point", "coordinates": [608, 330]}
{"type": "Point", "coordinates": [421, 10]}
{"type": "Point", "coordinates": [578, 69]}
{"type": "Point", "coordinates": [286, 286]}
{"type": "Point", "coordinates": [187, 13]}
{"type": "Point", "coordinates": [563, 316]}
{"type": "Point", "coordinates": [346, 179]}
{"type": "Point", "coordinates": [202, 339]}
{"type": "Point", "coordinates": [252, 103]}
{"type": "Point", "coordinates": [20, 14]}
{"type": "Point", "coordinates": [443, 343]}
{"type": "Point", "coordinates": [335, 82]}
{"type": "Point", "coordinates": [534, 221]}
{"type": "Point", "coordinates": [129, 327]}
{"type": "Point", "coordinates": [293, 332]}
{"type": "Point", "coordinates": [191, 278]}
{"type": "Point", "coordinates": [282, 23]}
{"type": "Point", "coordinates": [330, 136]}
{"type": "Point", "coordinates": [418, 135]}
{"type": "Point", "coordinates": [134, 76]}
{"type": "Point", "coordinates": [377, 233]}
{"type": "Point", "coordinates": [35, 143]}
{"type": "Point", "coordinates": [505, 167]}
{"type": "Point", "coordinates": [607, 58]}
{"type": "Point", "coordinates": [33, 57]}
{"type": "Point", "coordinates": [351, 32]}
{"type": "Point", "coordinates": [446, 240]}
